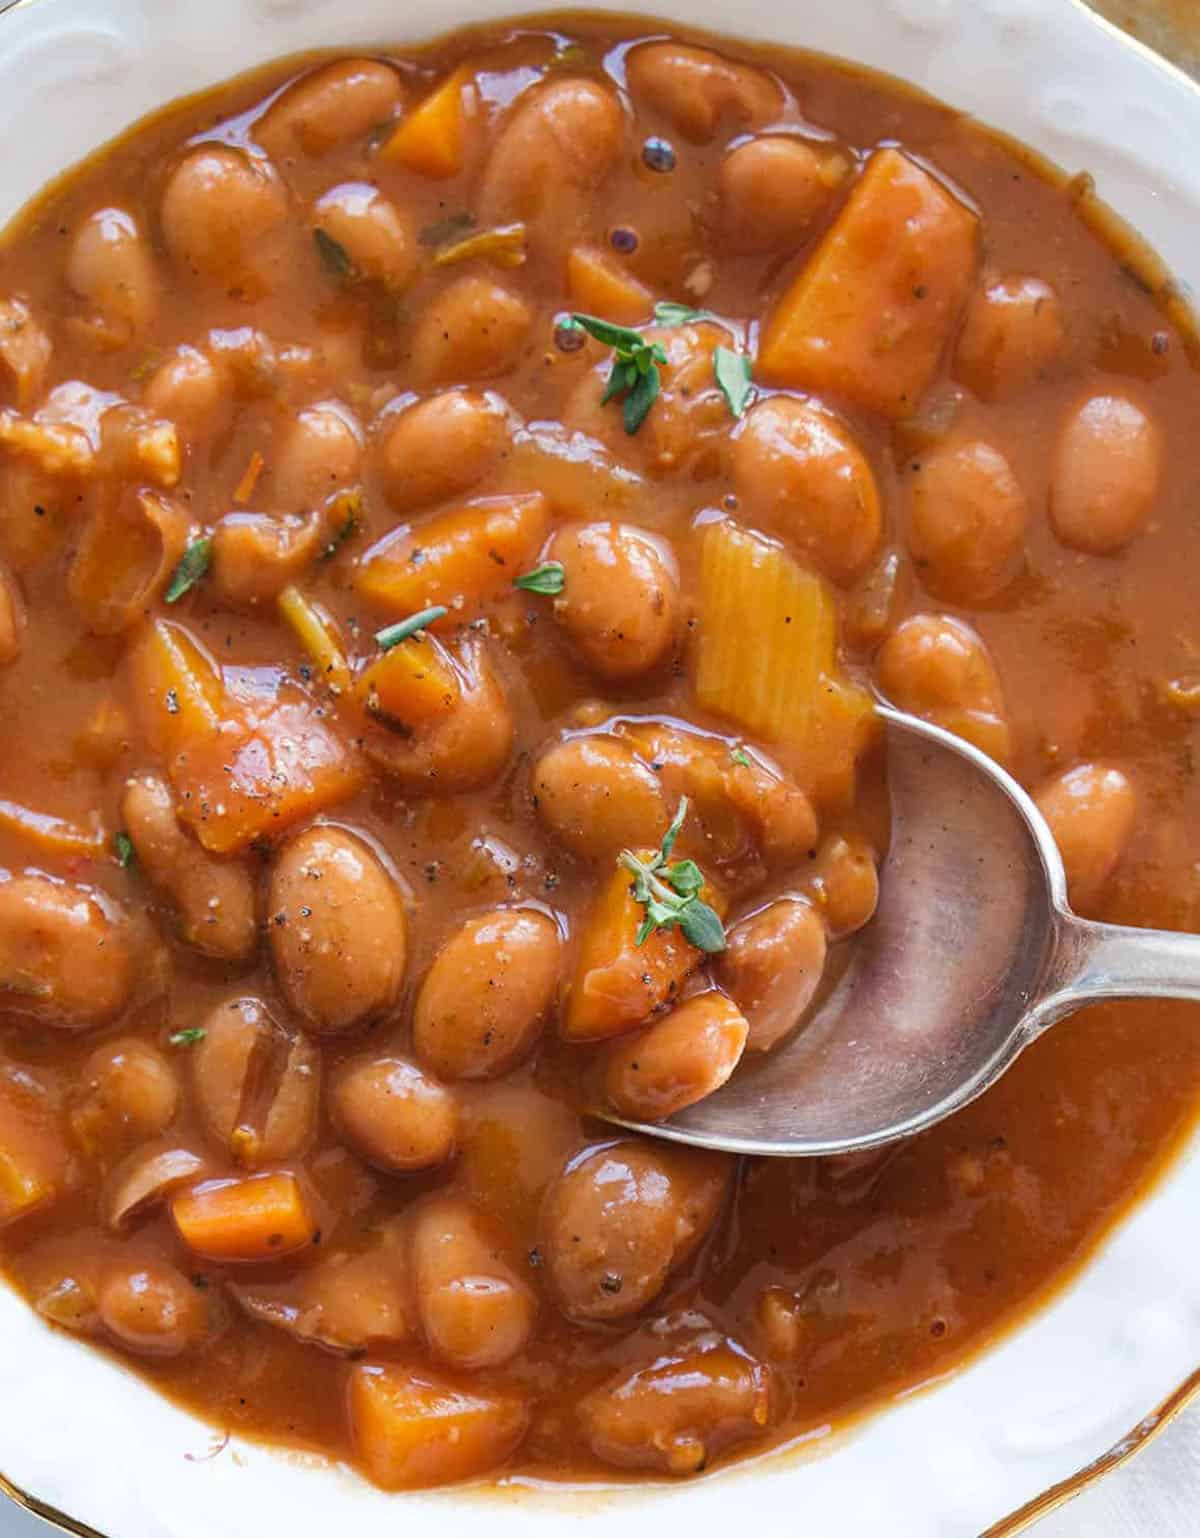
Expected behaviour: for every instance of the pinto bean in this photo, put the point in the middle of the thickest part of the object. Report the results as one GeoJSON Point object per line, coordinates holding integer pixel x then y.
{"type": "Point", "coordinates": [1012, 335]}
{"type": "Point", "coordinates": [110, 265]}
{"type": "Point", "coordinates": [257, 1086]}
{"type": "Point", "coordinates": [843, 884]}
{"type": "Point", "coordinates": [378, 239]}
{"type": "Point", "coordinates": [68, 956]}
{"type": "Point", "coordinates": [483, 1001]}
{"type": "Point", "coordinates": [1107, 470]}
{"type": "Point", "coordinates": [620, 1218]}
{"type": "Point", "coordinates": [935, 666]}
{"type": "Point", "coordinates": [127, 1093]}
{"type": "Point", "coordinates": [255, 556]}
{"type": "Point", "coordinates": [395, 1116]}
{"type": "Point", "coordinates": [329, 107]}
{"type": "Point", "coordinates": [680, 1059]}
{"type": "Point", "coordinates": [151, 1309]}
{"type": "Point", "coordinates": [967, 520]}
{"type": "Point", "coordinates": [597, 797]}
{"type": "Point", "coordinates": [213, 898]}
{"type": "Point", "coordinates": [144, 1179]}
{"type": "Point", "coordinates": [560, 142]}
{"type": "Point", "coordinates": [475, 328]}
{"type": "Point", "coordinates": [191, 391]}
{"type": "Point", "coordinates": [475, 1310]}
{"type": "Point", "coordinates": [319, 454]}
{"type": "Point", "coordinates": [771, 966]}
{"type": "Point", "coordinates": [440, 447]}
{"type": "Point", "coordinates": [697, 89]}
{"type": "Point", "coordinates": [220, 212]}
{"type": "Point", "coordinates": [348, 1303]}
{"type": "Point", "coordinates": [1091, 810]}
{"type": "Point", "coordinates": [620, 605]}
{"type": "Point", "coordinates": [338, 931]}
{"type": "Point", "coordinates": [770, 191]}
{"type": "Point", "coordinates": [680, 1408]}
{"type": "Point", "coordinates": [797, 467]}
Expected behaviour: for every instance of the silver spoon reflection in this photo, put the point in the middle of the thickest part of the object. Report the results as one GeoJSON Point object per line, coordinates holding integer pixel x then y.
{"type": "Point", "coordinates": [972, 954]}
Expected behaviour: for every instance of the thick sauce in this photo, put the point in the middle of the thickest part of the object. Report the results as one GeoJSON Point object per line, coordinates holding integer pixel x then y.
{"type": "Point", "coordinates": [314, 1163]}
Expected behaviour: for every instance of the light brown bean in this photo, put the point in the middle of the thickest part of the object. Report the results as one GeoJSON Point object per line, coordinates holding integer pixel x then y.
{"type": "Point", "coordinates": [772, 966]}
{"type": "Point", "coordinates": [12, 617]}
{"type": "Point", "coordinates": [598, 797]}
{"type": "Point", "coordinates": [475, 1310]}
{"type": "Point", "coordinates": [798, 469]}
{"type": "Point", "coordinates": [151, 1309]}
{"type": "Point", "coordinates": [440, 447]}
{"type": "Point", "coordinates": [214, 899]}
{"type": "Point", "coordinates": [482, 1004]}
{"type": "Point", "coordinates": [256, 1085]}
{"type": "Point", "coordinates": [1106, 475]}
{"type": "Point", "coordinates": [338, 930]}
{"type": "Point", "coordinates": [318, 454]}
{"type": "Point", "coordinates": [475, 328]}
{"type": "Point", "coordinates": [967, 520]}
{"type": "Point", "coordinates": [144, 1179]}
{"type": "Point", "coordinates": [394, 1115]}
{"type": "Point", "coordinates": [1091, 810]}
{"type": "Point", "coordinates": [1012, 336]}
{"type": "Point", "coordinates": [127, 1092]}
{"type": "Point", "coordinates": [697, 89]}
{"type": "Point", "coordinates": [110, 264]}
{"type": "Point", "coordinates": [256, 555]}
{"type": "Point", "coordinates": [620, 605]}
{"type": "Point", "coordinates": [843, 884]}
{"type": "Point", "coordinates": [220, 211]}
{"type": "Point", "coordinates": [771, 189]}
{"type": "Point", "coordinates": [680, 1059]}
{"type": "Point", "coordinates": [936, 666]}
{"type": "Point", "coordinates": [68, 955]}
{"type": "Point", "coordinates": [333, 105]}
{"type": "Point", "coordinates": [191, 391]}
{"type": "Point", "coordinates": [620, 1218]}
{"type": "Point", "coordinates": [379, 241]}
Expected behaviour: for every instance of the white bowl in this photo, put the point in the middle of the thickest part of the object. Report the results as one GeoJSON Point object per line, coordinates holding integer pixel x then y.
{"type": "Point", "coordinates": [86, 1439]}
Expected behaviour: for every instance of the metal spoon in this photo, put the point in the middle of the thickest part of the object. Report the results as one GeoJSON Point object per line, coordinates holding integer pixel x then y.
{"type": "Point", "coordinates": [972, 954]}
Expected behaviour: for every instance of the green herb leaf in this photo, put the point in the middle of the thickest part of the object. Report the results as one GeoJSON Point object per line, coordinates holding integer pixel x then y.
{"type": "Point", "coordinates": [188, 1038]}
{"type": "Point", "coordinates": [732, 370]}
{"type": "Point", "coordinates": [672, 833]}
{"type": "Point", "coordinates": [684, 877]}
{"type": "Point", "coordinates": [641, 398]}
{"type": "Point", "coordinates": [668, 313]}
{"type": "Point", "coordinates": [634, 372]}
{"type": "Point", "coordinates": [392, 635]}
{"type": "Point", "coordinates": [624, 341]}
{"type": "Point", "coordinates": [334, 256]}
{"type": "Point", "coordinates": [702, 928]}
{"type": "Point", "coordinates": [442, 231]}
{"type": "Point", "coordinates": [549, 579]}
{"type": "Point", "coordinates": [193, 564]}
{"type": "Point", "coordinates": [347, 529]}
{"type": "Point", "coordinates": [123, 849]}
{"type": "Point", "coordinates": [740, 756]}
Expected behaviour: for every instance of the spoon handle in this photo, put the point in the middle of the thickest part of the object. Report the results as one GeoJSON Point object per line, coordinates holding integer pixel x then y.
{"type": "Point", "coordinates": [1093, 962]}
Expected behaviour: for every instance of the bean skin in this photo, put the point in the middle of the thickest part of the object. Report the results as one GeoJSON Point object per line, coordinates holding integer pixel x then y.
{"type": "Point", "coordinates": [697, 88]}
{"type": "Point", "coordinates": [968, 516]}
{"type": "Point", "coordinates": [1107, 470]}
{"type": "Point", "coordinates": [483, 1002]}
{"type": "Point", "coordinates": [1091, 810]}
{"type": "Point", "coordinates": [378, 239]}
{"type": "Point", "coordinates": [397, 1117]}
{"type": "Point", "coordinates": [597, 797]}
{"type": "Point", "coordinates": [680, 1059]}
{"type": "Point", "coordinates": [772, 966]}
{"type": "Point", "coordinates": [771, 190]}
{"type": "Point", "coordinates": [127, 1092]}
{"type": "Point", "coordinates": [220, 211]}
{"type": "Point", "coordinates": [620, 605]}
{"type": "Point", "coordinates": [937, 667]}
{"type": "Point", "coordinates": [332, 106]}
{"type": "Point", "coordinates": [440, 447]}
{"type": "Point", "coordinates": [475, 1311]}
{"type": "Point", "coordinates": [474, 329]}
{"type": "Point", "coordinates": [338, 931]}
{"type": "Point", "coordinates": [111, 266]}
{"type": "Point", "coordinates": [1012, 336]}
{"type": "Point", "coordinates": [152, 1309]}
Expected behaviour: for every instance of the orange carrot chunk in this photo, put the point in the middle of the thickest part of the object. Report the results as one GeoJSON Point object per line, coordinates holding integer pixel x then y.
{"type": "Point", "coordinates": [432, 139]}
{"type": "Point", "coordinates": [259, 1217]}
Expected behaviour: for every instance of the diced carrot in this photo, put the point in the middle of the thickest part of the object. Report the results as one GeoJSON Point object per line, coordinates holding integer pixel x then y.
{"type": "Point", "coordinates": [318, 635]}
{"type": "Point", "coordinates": [412, 1428]}
{"type": "Point", "coordinates": [250, 477]}
{"type": "Point", "coordinates": [33, 1158]}
{"type": "Point", "coordinates": [618, 983]}
{"type": "Point", "coordinates": [463, 558]}
{"type": "Point", "coordinates": [873, 308]}
{"type": "Point", "coordinates": [261, 772]}
{"type": "Point", "coordinates": [432, 139]}
{"type": "Point", "coordinates": [600, 286]}
{"type": "Point", "coordinates": [53, 835]}
{"type": "Point", "coordinates": [257, 1217]}
{"type": "Point", "coordinates": [412, 685]}
{"type": "Point", "coordinates": [842, 726]}
{"type": "Point", "coordinates": [178, 688]}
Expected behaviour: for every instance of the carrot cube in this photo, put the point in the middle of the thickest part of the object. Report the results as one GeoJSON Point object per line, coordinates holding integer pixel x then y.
{"type": "Point", "coordinates": [599, 286]}
{"type": "Point", "coordinates": [258, 1217]}
{"type": "Point", "coordinates": [432, 139]}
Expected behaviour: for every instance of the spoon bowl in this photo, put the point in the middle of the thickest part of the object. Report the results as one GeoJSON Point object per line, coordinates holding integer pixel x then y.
{"type": "Point", "coordinates": [972, 953]}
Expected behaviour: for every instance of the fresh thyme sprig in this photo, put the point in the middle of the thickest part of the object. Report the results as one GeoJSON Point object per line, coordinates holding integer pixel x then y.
{"type": "Point", "coordinates": [670, 893]}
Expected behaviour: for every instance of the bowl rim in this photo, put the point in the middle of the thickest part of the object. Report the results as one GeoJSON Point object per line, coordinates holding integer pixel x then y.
{"type": "Point", "coordinates": [925, 16]}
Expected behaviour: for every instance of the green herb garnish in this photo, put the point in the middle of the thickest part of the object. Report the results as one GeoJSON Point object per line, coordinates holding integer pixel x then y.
{"type": "Point", "coordinates": [635, 365]}
{"type": "Point", "coordinates": [193, 564]}
{"type": "Point", "coordinates": [392, 635]}
{"type": "Point", "coordinates": [334, 256]}
{"type": "Point", "coordinates": [733, 375]}
{"type": "Point", "coordinates": [670, 893]}
{"type": "Point", "coordinates": [442, 231]}
{"type": "Point", "coordinates": [188, 1038]}
{"type": "Point", "coordinates": [123, 849]}
{"type": "Point", "coordinates": [349, 504]}
{"type": "Point", "coordinates": [740, 756]}
{"type": "Point", "coordinates": [668, 313]}
{"type": "Point", "coordinates": [549, 578]}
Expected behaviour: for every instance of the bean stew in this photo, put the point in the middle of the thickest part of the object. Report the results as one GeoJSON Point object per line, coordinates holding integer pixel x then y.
{"type": "Point", "coordinates": [455, 508]}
